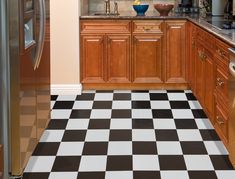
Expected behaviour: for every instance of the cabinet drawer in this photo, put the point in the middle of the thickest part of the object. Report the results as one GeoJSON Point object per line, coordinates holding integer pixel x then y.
{"type": "Point", "coordinates": [221, 82]}
{"type": "Point", "coordinates": [147, 26]}
{"type": "Point", "coordinates": [221, 50]}
{"type": "Point", "coordinates": [104, 26]}
{"type": "Point", "coordinates": [221, 122]}
{"type": "Point", "coordinates": [206, 38]}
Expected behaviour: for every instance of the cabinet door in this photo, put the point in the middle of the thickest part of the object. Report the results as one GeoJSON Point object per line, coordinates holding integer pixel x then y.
{"type": "Point", "coordinates": [147, 58]}
{"type": "Point", "coordinates": [118, 58]}
{"type": "Point", "coordinates": [209, 85]}
{"type": "Point", "coordinates": [199, 71]}
{"type": "Point", "coordinates": [175, 51]}
{"type": "Point", "coordinates": [92, 59]}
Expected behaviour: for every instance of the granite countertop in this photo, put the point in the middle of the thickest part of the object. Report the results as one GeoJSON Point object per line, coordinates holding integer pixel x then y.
{"type": "Point", "coordinates": [226, 35]}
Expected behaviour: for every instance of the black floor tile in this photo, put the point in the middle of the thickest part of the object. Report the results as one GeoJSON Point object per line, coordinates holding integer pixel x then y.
{"type": "Point", "coordinates": [179, 105]}
{"type": "Point", "coordinates": [175, 91]}
{"type": "Point", "coordinates": [99, 124]}
{"type": "Point", "coordinates": [146, 175]}
{"type": "Point", "coordinates": [141, 105]}
{"type": "Point", "coordinates": [142, 124]}
{"type": "Point", "coordinates": [66, 163]}
{"type": "Point", "coordinates": [117, 163]}
{"type": "Point", "coordinates": [102, 105]}
{"type": "Point", "coordinates": [125, 113]}
{"type": "Point", "coordinates": [46, 148]}
{"type": "Point", "coordinates": [95, 148]}
{"type": "Point", "coordinates": [36, 175]}
{"type": "Point", "coordinates": [104, 91]}
{"type": "Point", "coordinates": [144, 148]}
{"type": "Point", "coordinates": [54, 97]}
{"type": "Point", "coordinates": [162, 113]}
{"type": "Point", "coordinates": [63, 105]}
{"type": "Point", "coordinates": [121, 96]}
{"type": "Point", "coordinates": [190, 97]}
{"type": "Point", "coordinates": [120, 135]}
{"type": "Point", "coordinates": [166, 135]}
{"type": "Point", "coordinates": [158, 96]}
{"type": "Point", "coordinates": [189, 147]}
{"type": "Point", "coordinates": [74, 135]}
{"type": "Point", "coordinates": [139, 91]}
{"type": "Point", "coordinates": [209, 134]}
{"type": "Point", "coordinates": [199, 113]}
{"type": "Point", "coordinates": [221, 162]}
{"type": "Point", "coordinates": [80, 114]}
{"type": "Point", "coordinates": [172, 162]}
{"type": "Point", "coordinates": [85, 97]}
{"type": "Point", "coordinates": [202, 175]}
{"type": "Point", "coordinates": [57, 124]}
{"type": "Point", "coordinates": [91, 175]}
{"type": "Point", "coordinates": [185, 124]}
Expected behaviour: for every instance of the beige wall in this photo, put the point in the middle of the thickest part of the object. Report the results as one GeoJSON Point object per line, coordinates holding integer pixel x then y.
{"type": "Point", "coordinates": [65, 41]}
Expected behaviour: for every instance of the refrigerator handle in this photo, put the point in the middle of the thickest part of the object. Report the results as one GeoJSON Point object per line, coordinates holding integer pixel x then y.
{"type": "Point", "coordinates": [42, 28]}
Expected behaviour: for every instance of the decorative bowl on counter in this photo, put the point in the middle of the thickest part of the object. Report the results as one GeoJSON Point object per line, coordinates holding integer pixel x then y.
{"type": "Point", "coordinates": [141, 9]}
{"type": "Point", "coordinates": [163, 9]}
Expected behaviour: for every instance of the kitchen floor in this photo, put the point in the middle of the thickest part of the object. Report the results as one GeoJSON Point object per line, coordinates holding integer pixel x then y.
{"type": "Point", "coordinates": [129, 135]}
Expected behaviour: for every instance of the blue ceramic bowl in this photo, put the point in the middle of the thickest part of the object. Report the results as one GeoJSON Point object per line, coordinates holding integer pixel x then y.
{"type": "Point", "coordinates": [141, 9]}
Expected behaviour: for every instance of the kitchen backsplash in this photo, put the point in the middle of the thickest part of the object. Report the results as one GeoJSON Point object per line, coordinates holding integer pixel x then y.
{"type": "Point", "coordinates": [124, 5]}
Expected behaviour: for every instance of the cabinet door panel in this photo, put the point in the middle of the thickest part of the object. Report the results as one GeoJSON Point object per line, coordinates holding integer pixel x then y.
{"type": "Point", "coordinates": [147, 59]}
{"type": "Point", "coordinates": [175, 48]}
{"type": "Point", "coordinates": [118, 60]}
{"type": "Point", "coordinates": [92, 59]}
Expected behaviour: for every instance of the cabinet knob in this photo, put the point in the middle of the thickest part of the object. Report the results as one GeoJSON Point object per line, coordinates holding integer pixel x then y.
{"type": "Point", "coordinates": [219, 120]}
{"type": "Point", "coordinates": [220, 82]}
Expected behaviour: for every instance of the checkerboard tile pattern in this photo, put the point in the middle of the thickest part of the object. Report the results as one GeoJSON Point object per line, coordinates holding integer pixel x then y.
{"type": "Point", "coordinates": [129, 135]}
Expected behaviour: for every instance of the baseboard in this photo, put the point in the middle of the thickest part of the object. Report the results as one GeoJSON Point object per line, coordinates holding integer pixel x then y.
{"type": "Point", "coordinates": [66, 89]}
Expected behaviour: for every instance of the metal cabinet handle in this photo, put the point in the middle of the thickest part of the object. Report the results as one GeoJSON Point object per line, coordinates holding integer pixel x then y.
{"type": "Point", "coordinates": [147, 28]}
{"type": "Point", "coordinates": [220, 82]}
{"type": "Point", "coordinates": [221, 53]}
{"type": "Point", "coordinates": [41, 37]}
{"type": "Point", "coordinates": [219, 120]}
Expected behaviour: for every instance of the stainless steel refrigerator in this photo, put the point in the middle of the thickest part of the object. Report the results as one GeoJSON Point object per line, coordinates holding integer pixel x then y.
{"type": "Point", "coordinates": [28, 79]}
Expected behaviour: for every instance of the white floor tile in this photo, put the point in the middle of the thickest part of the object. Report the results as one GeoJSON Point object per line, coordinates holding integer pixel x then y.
{"type": "Point", "coordinates": [160, 105]}
{"type": "Point", "coordinates": [182, 114]}
{"type": "Point", "coordinates": [93, 163]}
{"type": "Point", "coordinates": [66, 98]}
{"type": "Point", "coordinates": [189, 135]}
{"type": "Point", "coordinates": [143, 135]}
{"type": "Point", "coordinates": [119, 175]}
{"type": "Point", "coordinates": [204, 123]}
{"type": "Point", "coordinates": [174, 175]}
{"type": "Point", "coordinates": [70, 149]}
{"type": "Point", "coordinates": [145, 162]}
{"type": "Point", "coordinates": [97, 135]}
{"type": "Point", "coordinates": [63, 175]}
{"type": "Point", "coordinates": [60, 113]}
{"type": "Point", "coordinates": [40, 164]}
{"type": "Point", "coordinates": [77, 124]}
{"type": "Point", "coordinates": [140, 96]}
{"type": "Point", "coordinates": [142, 113]}
{"type": "Point", "coordinates": [164, 124]}
{"type": "Point", "coordinates": [121, 105]}
{"type": "Point", "coordinates": [120, 148]}
{"type": "Point", "coordinates": [215, 148]}
{"type": "Point", "coordinates": [121, 124]}
{"type": "Point", "coordinates": [82, 105]}
{"type": "Point", "coordinates": [52, 136]}
{"type": "Point", "coordinates": [103, 97]}
{"type": "Point", "coordinates": [122, 91]}
{"type": "Point", "coordinates": [101, 114]}
{"type": "Point", "coordinates": [223, 174]}
{"type": "Point", "coordinates": [194, 105]}
{"type": "Point", "coordinates": [198, 162]}
{"type": "Point", "coordinates": [169, 148]}
{"type": "Point", "coordinates": [177, 96]}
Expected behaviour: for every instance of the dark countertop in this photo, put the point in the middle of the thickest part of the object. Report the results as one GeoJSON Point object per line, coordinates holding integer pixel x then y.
{"type": "Point", "coordinates": [227, 36]}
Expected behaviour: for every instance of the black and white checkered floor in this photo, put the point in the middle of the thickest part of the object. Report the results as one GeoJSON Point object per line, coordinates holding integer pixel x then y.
{"type": "Point", "coordinates": [129, 135]}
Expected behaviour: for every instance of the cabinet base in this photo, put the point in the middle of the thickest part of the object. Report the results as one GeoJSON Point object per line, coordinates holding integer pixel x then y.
{"type": "Point", "coordinates": [139, 86]}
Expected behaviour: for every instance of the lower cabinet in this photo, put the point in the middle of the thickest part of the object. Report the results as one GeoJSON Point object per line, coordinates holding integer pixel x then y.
{"type": "Point", "coordinates": [147, 58]}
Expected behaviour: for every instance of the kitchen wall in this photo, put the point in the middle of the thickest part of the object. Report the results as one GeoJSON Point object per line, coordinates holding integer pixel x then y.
{"type": "Point", "coordinates": [65, 46]}
{"type": "Point", "coordinates": [124, 5]}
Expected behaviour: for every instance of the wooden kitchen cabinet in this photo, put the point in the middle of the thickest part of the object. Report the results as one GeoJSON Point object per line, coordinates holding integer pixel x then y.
{"type": "Point", "coordinates": [175, 51]}
{"type": "Point", "coordinates": [92, 59]}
